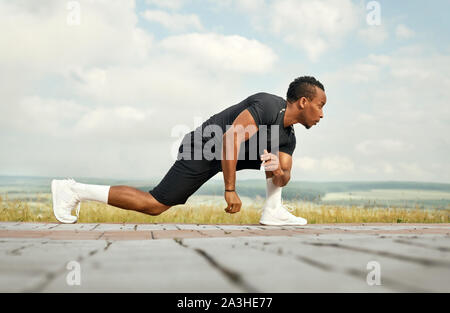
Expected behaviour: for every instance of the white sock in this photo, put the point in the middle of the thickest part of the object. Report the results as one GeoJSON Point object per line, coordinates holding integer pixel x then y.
{"type": "Point", "coordinates": [87, 192]}
{"type": "Point", "coordinates": [273, 194]}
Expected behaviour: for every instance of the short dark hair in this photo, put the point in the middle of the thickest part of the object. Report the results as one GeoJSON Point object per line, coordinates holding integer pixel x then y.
{"type": "Point", "coordinates": [303, 87]}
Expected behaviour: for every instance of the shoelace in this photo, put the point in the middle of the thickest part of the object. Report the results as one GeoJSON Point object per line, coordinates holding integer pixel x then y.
{"type": "Point", "coordinates": [287, 206]}
{"type": "Point", "coordinates": [77, 211]}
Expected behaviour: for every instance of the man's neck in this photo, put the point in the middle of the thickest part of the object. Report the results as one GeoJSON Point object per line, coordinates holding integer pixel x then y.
{"type": "Point", "coordinates": [289, 116]}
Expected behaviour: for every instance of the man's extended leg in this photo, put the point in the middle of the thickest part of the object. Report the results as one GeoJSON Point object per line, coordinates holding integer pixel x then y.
{"type": "Point", "coordinates": [67, 194]}
{"type": "Point", "coordinates": [123, 197]}
{"type": "Point", "coordinates": [129, 198]}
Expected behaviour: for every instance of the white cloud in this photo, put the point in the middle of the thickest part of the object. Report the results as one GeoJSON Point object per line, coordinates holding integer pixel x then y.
{"type": "Point", "coordinates": [373, 35]}
{"type": "Point", "coordinates": [345, 168]}
{"type": "Point", "coordinates": [399, 99]}
{"type": "Point", "coordinates": [168, 4]}
{"type": "Point", "coordinates": [251, 5]}
{"type": "Point", "coordinates": [369, 170]}
{"type": "Point", "coordinates": [107, 34]}
{"type": "Point", "coordinates": [364, 118]}
{"type": "Point", "coordinates": [106, 89]}
{"type": "Point", "coordinates": [38, 116]}
{"type": "Point", "coordinates": [34, 115]}
{"type": "Point", "coordinates": [174, 21]}
{"type": "Point", "coordinates": [383, 146]}
{"type": "Point", "coordinates": [404, 32]}
{"type": "Point", "coordinates": [311, 26]}
{"type": "Point", "coordinates": [332, 165]}
{"type": "Point", "coordinates": [413, 171]}
{"type": "Point", "coordinates": [232, 53]}
{"type": "Point", "coordinates": [362, 72]}
{"type": "Point", "coordinates": [305, 163]}
{"type": "Point", "coordinates": [120, 121]}
{"type": "Point", "coordinates": [162, 82]}
{"type": "Point", "coordinates": [336, 165]}
{"type": "Point", "coordinates": [388, 168]}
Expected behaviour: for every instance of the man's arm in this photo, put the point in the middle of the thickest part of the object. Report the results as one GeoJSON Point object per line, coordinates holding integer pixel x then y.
{"type": "Point", "coordinates": [243, 128]}
{"type": "Point", "coordinates": [281, 166]}
{"type": "Point", "coordinates": [283, 175]}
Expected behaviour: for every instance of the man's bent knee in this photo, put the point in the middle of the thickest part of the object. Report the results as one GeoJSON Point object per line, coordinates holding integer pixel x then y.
{"type": "Point", "coordinates": [154, 207]}
{"type": "Point", "coordinates": [155, 211]}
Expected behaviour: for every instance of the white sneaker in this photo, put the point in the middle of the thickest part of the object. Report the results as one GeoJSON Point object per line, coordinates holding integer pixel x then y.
{"type": "Point", "coordinates": [279, 216]}
{"type": "Point", "coordinates": [64, 201]}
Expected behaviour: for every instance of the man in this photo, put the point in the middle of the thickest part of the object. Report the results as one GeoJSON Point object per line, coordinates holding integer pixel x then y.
{"type": "Point", "coordinates": [237, 127]}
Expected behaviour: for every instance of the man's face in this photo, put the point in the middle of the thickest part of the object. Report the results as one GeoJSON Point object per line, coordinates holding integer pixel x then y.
{"type": "Point", "coordinates": [313, 110]}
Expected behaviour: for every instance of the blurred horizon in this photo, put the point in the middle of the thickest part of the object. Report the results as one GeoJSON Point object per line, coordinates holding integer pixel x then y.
{"type": "Point", "coordinates": [367, 194]}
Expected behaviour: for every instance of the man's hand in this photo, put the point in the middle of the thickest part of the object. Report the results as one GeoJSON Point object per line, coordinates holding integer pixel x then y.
{"type": "Point", "coordinates": [271, 163]}
{"type": "Point", "coordinates": [233, 202]}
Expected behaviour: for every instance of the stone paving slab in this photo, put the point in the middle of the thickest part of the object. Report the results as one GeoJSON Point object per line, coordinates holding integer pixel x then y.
{"type": "Point", "coordinates": [261, 270]}
{"type": "Point", "coordinates": [422, 241]}
{"type": "Point", "coordinates": [406, 268]}
{"type": "Point", "coordinates": [145, 266]}
{"type": "Point", "coordinates": [164, 231]}
{"type": "Point", "coordinates": [305, 263]}
{"type": "Point", "coordinates": [27, 265]}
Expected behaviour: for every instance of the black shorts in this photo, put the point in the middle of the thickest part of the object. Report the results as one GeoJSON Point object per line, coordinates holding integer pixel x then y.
{"type": "Point", "coordinates": [186, 176]}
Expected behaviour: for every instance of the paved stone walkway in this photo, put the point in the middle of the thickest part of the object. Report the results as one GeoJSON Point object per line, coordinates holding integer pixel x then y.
{"type": "Point", "coordinates": [164, 231]}
{"type": "Point", "coordinates": [38, 257]}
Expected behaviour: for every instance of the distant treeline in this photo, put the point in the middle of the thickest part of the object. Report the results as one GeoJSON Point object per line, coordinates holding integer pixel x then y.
{"type": "Point", "coordinates": [295, 190]}
{"type": "Point", "coordinates": [314, 191]}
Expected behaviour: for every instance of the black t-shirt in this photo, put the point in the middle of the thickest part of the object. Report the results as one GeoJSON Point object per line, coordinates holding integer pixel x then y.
{"type": "Point", "coordinates": [268, 112]}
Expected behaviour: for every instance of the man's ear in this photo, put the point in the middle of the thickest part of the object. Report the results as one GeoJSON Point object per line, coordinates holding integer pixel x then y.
{"type": "Point", "coordinates": [302, 102]}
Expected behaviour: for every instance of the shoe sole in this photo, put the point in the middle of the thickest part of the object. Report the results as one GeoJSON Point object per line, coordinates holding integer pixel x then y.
{"type": "Point", "coordinates": [282, 224]}
{"type": "Point", "coordinates": [272, 223]}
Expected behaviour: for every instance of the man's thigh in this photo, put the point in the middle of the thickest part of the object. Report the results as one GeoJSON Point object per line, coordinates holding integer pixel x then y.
{"type": "Point", "coordinates": [183, 179]}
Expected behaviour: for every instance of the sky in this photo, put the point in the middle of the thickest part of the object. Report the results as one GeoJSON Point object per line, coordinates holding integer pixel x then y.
{"type": "Point", "coordinates": [107, 88]}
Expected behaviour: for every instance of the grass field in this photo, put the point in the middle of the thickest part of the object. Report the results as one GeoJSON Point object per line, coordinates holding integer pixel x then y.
{"type": "Point", "coordinates": [210, 210]}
